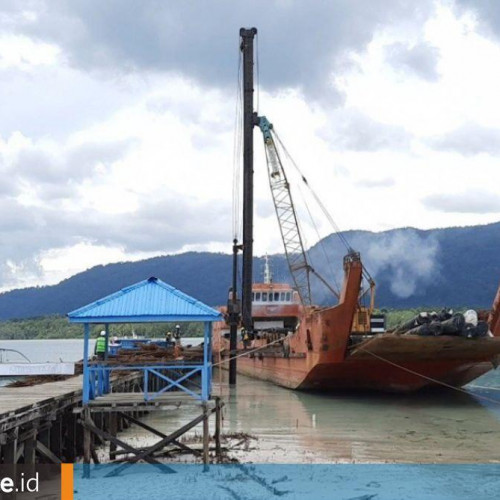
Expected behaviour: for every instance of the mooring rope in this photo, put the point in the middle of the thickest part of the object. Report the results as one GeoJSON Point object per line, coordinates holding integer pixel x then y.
{"type": "Point", "coordinates": [431, 379]}
{"type": "Point", "coordinates": [440, 382]}
{"type": "Point", "coordinates": [249, 351]}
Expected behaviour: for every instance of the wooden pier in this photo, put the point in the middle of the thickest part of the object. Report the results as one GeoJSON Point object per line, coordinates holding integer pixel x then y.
{"type": "Point", "coordinates": [167, 382]}
{"type": "Point", "coordinates": [46, 423]}
{"type": "Point", "coordinates": [60, 421]}
{"type": "Point", "coordinates": [38, 423]}
{"type": "Point", "coordinates": [125, 405]}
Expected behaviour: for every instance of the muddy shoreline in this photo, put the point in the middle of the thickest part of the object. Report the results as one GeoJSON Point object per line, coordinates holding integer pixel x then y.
{"type": "Point", "coordinates": [283, 426]}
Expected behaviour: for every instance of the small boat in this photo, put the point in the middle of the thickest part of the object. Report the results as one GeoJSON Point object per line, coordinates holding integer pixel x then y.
{"type": "Point", "coordinates": [6, 363]}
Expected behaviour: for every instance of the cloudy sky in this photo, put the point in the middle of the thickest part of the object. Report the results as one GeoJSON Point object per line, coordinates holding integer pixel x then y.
{"type": "Point", "coordinates": [118, 121]}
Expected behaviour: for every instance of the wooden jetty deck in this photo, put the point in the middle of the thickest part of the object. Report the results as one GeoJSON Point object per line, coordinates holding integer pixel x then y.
{"type": "Point", "coordinates": [124, 401]}
{"type": "Point", "coordinates": [48, 422]}
{"type": "Point", "coordinates": [38, 422]}
{"type": "Point", "coordinates": [19, 405]}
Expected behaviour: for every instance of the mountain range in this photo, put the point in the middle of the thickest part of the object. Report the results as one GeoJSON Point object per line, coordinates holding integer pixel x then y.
{"type": "Point", "coordinates": [455, 267]}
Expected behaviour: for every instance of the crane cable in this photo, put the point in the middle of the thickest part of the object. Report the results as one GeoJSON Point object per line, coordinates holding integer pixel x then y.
{"type": "Point", "coordinates": [336, 228]}
{"type": "Point", "coordinates": [322, 207]}
{"type": "Point", "coordinates": [322, 245]}
{"type": "Point", "coordinates": [247, 352]}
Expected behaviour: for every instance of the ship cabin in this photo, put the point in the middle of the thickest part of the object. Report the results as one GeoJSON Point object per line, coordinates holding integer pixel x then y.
{"type": "Point", "coordinates": [275, 306]}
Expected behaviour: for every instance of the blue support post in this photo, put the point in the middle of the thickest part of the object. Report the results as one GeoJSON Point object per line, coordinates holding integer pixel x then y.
{"type": "Point", "coordinates": [92, 384]}
{"type": "Point", "coordinates": [101, 381]}
{"type": "Point", "coordinates": [106, 374]}
{"type": "Point", "coordinates": [106, 329]}
{"type": "Point", "coordinates": [86, 381]}
{"type": "Point", "coordinates": [210, 360]}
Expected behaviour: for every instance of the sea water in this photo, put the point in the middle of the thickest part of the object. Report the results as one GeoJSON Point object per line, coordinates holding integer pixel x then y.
{"type": "Point", "coordinates": [443, 426]}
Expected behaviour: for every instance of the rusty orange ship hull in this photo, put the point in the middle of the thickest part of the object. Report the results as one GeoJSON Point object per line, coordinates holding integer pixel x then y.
{"type": "Point", "coordinates": [320, 354]}
{"type": "Point", "coordinates": [303, 374]}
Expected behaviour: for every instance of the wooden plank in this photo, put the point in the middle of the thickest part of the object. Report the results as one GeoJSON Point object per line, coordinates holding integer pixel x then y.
{"type": "Point", "coordinates": [19, 405]}
{"type": "Point", "coordinates": [158, 433]}
{"type": "Point", "coordinates": [47, 453]}
{"type": "Point", "coordinates": [160, 444]}
{"type": "Point", "coordinates": [136, 400]}
{"type": "Point", "coordinates": [90, 426]}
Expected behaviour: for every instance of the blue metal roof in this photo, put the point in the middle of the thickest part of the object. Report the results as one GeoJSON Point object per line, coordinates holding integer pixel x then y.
{"type": "Point", "coordinates": [150, 300]}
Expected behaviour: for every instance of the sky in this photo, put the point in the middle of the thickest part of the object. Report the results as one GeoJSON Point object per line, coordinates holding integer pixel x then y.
{"type": "Point", "coordinates": [117, 129]}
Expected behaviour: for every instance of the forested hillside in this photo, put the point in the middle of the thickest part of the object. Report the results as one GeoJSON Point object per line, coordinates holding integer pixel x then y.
{"type": "Point", "coordinates": [412, 268]}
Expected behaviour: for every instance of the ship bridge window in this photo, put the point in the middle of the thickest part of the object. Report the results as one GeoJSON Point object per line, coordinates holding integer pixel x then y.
{"type": "Point", "coordinates": [271, 296]}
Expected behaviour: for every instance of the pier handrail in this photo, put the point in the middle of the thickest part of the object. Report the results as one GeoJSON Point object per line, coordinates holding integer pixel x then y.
{"type": "Point", "coordinates": [99, 374]}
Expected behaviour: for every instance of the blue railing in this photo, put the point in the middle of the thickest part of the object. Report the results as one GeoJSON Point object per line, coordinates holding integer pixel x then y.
{"type": "Point", "coordinates": [96, 379]}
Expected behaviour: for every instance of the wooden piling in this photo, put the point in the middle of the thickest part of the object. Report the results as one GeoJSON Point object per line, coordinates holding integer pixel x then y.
{"type": "Point", "coordinates": [70, 446]}
{"type": "Point", "coordinates": [206, 436]}
{"type": "Point", "coordinates": [49, 429]}
{"type": "Point", "coordinates": [112, 430]}
{"type": "Point", "coordinates": [218, 415]}
{"type": "Point", "coordinates": [10, 452]}
{"type": "Point", "coordinates": [87, 443]}
{"type": "Point", "coordinates": [55, 437]}
{"type": "Point", "coordinates": [30, 447]}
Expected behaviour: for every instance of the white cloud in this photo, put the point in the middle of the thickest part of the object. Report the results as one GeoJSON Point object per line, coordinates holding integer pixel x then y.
{"type": "Point", "coordinates": [468, 202]}
{"type": "Point", "coordinates": [113, 159]}
{"type": "Point", "coordinates": [23, 53]}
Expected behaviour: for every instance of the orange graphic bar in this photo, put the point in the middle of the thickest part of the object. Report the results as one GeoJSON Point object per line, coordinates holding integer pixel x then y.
{"type": "Point", "coordinates": [66, 481]}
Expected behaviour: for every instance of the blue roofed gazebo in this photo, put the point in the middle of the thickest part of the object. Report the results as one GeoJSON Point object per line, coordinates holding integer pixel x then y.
{"type": "Point", "coordinates": [148, 301]}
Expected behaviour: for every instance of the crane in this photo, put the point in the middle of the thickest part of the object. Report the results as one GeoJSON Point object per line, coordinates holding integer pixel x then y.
{"type": "Point", "coordinates": [296, 256]}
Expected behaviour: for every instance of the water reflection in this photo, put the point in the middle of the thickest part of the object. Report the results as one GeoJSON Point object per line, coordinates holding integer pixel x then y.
{"type": "Point", "coordinates": [297, 427]}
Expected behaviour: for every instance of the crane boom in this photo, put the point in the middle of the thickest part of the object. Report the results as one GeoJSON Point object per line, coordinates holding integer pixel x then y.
{"type": "Point", "coordinates": [298, 264]}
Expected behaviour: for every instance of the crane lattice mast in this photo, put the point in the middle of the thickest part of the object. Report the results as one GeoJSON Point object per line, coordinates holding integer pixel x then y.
{"type": "Point", "coordinates": [298, 264]}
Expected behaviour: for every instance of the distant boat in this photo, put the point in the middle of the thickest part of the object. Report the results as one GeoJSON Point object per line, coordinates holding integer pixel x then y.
{"type": "Point", "coordinates": [4, 351]}
{"type": "Point", "coordinates": [3, 360]}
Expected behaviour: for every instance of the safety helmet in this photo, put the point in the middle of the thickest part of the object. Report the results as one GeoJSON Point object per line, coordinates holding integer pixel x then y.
{"type": "Point", "coordinates": [103, 333]}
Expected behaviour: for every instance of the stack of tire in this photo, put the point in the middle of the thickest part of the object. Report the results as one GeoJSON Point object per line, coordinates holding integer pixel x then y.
{"type": "Point", "coordinates": [446, 323]}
